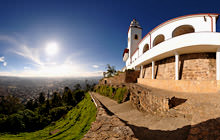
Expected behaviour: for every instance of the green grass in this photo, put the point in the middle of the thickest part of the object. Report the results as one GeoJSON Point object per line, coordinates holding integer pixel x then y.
{"type": "Point", "coordinates": [73, 126]}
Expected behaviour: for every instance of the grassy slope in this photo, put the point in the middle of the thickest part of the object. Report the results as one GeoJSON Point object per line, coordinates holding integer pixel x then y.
{"type": "Point", "coordinates": [76, 123]}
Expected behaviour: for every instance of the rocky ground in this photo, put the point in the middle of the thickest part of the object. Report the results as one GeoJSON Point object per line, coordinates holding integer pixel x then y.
{"type": "Point", "coordinates": [108, 126]}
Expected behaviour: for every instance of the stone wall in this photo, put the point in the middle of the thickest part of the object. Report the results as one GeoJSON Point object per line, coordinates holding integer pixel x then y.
{"type": "Point", "coordinates": [128, 76]}
{"type": "Point", "coordinates": [144, 100]}
{"type": "Point", "coordinates": [131, 76]}
{"type": "Point", "coordinates": [196, 66]}
{"type": "Point", "coordinates": [120, 78]}
{"type": "Point", "coordinates": [201, 66]}
{"type": "Point", "coordinates": [147, 71]}
{"type": "Point", "coordinates": [165, 69]}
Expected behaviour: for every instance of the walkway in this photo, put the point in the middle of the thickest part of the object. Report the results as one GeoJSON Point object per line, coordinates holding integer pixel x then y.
{"type": "Point", "coordinates": [127, 112]}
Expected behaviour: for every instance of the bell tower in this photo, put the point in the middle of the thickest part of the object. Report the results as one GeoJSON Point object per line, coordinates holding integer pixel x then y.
{"type": "Point", "coordinates": [134, 36]}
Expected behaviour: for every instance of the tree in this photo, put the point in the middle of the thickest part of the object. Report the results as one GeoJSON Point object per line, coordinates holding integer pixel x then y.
{"type": "Point", "coordinates": [66, 89]}
{"type": "Point", "coordinates": [58, 112]}
{"type": "Point", "coordinates": [88, 87]}
{"type": "Point", "coordinates": [56, 99]}
{"type": "Point", "coordinates": [35, 103]}
{"type": "Point", "coordinates": [78, 95]}
{"type": "Point", "coordinates": [15, 123]}
{"type": "Point", "coordinates": [41, 98]}
{"type": "Point", "coordinates": [30, 105]}
{"type": "Point", "coordinates": [77, 86]}
{"type": "Point", "coordinates": [93, 87]}
{"type": "Point", "coordinates": [47, 106]}
{"type": "Point", "coordinates": [65, 95]}
{"type": "Point", "coordinates": [30, 119]}
{"type": "Point", "coordinates": [110, 70]}
{"type": "Point", "coordinates": [10, 105]}
{"type": "Point", "coordinates": [70, 99]}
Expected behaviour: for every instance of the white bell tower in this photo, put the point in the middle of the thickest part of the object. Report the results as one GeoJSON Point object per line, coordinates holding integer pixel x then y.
{"type": "Point", "coordinates": [134, 37]}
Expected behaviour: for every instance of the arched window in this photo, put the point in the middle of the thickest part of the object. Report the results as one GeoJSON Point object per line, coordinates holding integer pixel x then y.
{"type": "Point", "coordinates": [183, 29]}
{"type": "Point", "coordinates": [136, 36]}
{"type": "Point", "coordinates": [158, 39]}
{"type": "Point", "coordinates": [146, 48]}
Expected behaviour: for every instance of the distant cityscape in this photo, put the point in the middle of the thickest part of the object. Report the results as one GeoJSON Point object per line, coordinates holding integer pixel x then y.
{"type": "Point", "coordinates": [29, 88]}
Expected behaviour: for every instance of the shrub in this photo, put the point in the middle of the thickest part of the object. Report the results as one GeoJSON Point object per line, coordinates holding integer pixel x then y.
{"type": "Point", "coordinates": [78, 95]}
{"type": "Point", "coordinates": [3, 119]}
{"type": "Point", "coordinates": [119, 95]}
{"type": "Point", "coordinates": [58, 112]}
{"type": "Point", "coordinates": [15, 123]}
{"type": "Point", "coordinates": [116, 94]}
{"type": "Point", "coordinates": [30, 119]}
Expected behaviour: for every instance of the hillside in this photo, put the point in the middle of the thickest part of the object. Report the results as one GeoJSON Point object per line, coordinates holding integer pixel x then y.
{"type": "Point", "coordinates": [72, 126]}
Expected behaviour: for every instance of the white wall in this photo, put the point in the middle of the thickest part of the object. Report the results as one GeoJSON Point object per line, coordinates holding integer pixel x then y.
{"type": "Point", "coordinates": [197, 21]}
{"type": "Point", "coordinates": [184, 44]}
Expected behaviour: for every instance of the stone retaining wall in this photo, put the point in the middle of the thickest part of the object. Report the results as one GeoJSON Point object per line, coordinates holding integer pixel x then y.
{"type": "Point", "coordinates": [196, 66]}
{"type": "Point", "coordinates": [128, 76]}
{"type": "Point", "coordinates": [143, 99]}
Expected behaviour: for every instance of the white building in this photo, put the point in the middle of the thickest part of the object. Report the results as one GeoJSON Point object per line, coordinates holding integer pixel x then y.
{"type": "Point", "coordinates": [190, 34]}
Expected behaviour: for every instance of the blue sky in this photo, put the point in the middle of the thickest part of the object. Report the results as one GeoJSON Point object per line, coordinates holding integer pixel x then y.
{"type": "Point", "coordinates": [89, 33]}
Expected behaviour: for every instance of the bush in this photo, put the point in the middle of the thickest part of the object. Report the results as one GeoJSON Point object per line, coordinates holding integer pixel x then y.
{"type": "Point", "coordinates": [111, 92]}
{"type": "Point", "coordinates": [3, 119]}
{"type": "Point", "coordinates": [30, 119]}
{"type": "Point", "coordinates": [15, 123]}
{"type": "Point", "coordinates": [78, 95]}
{"type": "Point", "coordinates": [58, 112]}
{"type": "Point", "coordinates": [119, 95]}
{"type": "Point", "coordinates": [10, 105]}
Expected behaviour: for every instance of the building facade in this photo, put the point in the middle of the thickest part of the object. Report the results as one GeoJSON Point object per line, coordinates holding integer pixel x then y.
{"type": "Point", "coordinates": [181, 54]}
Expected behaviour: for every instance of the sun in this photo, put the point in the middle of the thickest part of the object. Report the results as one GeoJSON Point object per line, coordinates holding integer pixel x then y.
{"type": "Point", "coordinates": [51, 48]}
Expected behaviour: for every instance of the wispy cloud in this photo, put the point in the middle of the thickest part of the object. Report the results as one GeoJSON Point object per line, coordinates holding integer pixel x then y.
{"type": "Point", "coordinates": [9, 40]}
{"type": "Point", "coordinates": [95, 66]}
{"type": "Point", "coordinates": [2, 59]}
{"type": "Point", "coordinates": [22, 50]}
{"type": "Point", "coordinates": [5, 64]}
{"type": "Point", "coordinates": [27, 68]}
{"type": "Point", "coordinates": [29, 53]}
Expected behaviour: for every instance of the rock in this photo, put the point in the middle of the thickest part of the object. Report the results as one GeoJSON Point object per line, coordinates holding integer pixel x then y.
{"type": "Point", "coordinates": [54, 132]}
{"type": "Point", "coordinates": [194, 131]}
{"type": "Point", "coordinates": [96, 126]}
{"type": "Point", "coordinates": [190, 137]}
